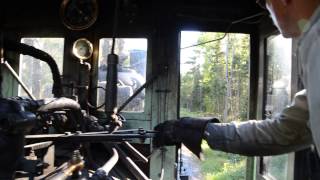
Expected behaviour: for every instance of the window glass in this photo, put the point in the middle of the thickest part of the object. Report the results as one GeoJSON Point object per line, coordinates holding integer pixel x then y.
{"type": "Point", "coordinates": [278, 95]}
{"type": "Point", "coordinates": [132, 54]}
{"type": "Point", "coordinates": [214, 82]}
{"type": "Point", "coordinates": [37, 74]}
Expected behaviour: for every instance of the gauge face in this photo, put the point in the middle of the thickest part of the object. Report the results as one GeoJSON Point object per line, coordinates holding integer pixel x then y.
{"type": "Point", "coordinates": [82, 49]}
{"type": "Point", "coordinates": [79, 14]}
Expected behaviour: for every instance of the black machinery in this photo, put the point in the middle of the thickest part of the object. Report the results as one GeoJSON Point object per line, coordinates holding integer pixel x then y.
{"type": "Point", "coordinates": [56, 139]}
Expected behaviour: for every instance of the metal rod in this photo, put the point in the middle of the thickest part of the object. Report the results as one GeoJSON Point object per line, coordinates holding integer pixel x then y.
{"type": "Point", "coordinates": [125, 131]}
{"type": "Point", "coordinates": [75, 164]}
{"type": "Point", "coordinates": [66, 173]}
{"type": "Point", "coordinates": [135, 152]}
{"type": "Point", "coordinates": [133, 168]}
{"type": "Point", "coordinates": [16, 76]}
{"type": "Point", "coordinates": [151, 80]}
{"type": "Point", "coordinates": [1, 61]}
{"type": "Point", "coordinates": [115, 25]}
{"type": "Point", "coordinates": [57, 170]}
{"type": "Point", "coordinates": [37, 146]}
{"type": "Point", "coordinates": [87, 138]}
{"type": "Point", "coordinates": [116, 132]}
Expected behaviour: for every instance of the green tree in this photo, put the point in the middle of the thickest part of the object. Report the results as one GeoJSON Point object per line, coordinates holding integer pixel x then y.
{"type": "Point", "coordinates": [218, 85]}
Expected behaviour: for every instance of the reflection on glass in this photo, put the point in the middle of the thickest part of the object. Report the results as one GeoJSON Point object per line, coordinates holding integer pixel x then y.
{"type": "Point", "coordinates": [278, 94]}
{"type": "Point", "coordinates": [37, 74]}
{"type": "Point", "coordinates": [132, 54]}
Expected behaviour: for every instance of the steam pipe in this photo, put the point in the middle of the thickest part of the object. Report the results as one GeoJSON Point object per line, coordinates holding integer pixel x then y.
{"type": "Point", "coordinates": [111, 162]}
{"type": "Point", "coordinates": [60, 103]}
{"type": "Point", "coordinates": [41, 55]}
{"type": "Point", "coordinates": [64, 103]}
{"type": "Point", "coordinates": [112, 72]}
{"type": "Point", "coordinates": [111, 87]}
{"type": "Point", "coordinates": [103, 172]}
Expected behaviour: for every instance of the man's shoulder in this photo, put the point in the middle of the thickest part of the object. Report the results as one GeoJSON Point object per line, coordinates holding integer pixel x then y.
{"type": "Point", "coordinates": [311, 29]}
{"type": "Point", "coordinates": [310, 36]}
{"type": "Point", "coordinates": [317, 23]}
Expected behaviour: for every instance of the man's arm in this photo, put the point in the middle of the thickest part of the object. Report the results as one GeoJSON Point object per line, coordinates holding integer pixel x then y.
{"type": "Point", "coordinates": [288, 132]}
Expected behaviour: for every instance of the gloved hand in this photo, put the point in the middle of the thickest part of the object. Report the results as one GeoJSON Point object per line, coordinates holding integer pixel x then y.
{"type": "Point", "coordinates": [187, 130]}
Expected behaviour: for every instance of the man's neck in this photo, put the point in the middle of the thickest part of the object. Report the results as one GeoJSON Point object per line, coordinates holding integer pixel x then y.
{"type": "Point", "coordinates": [304, 12]}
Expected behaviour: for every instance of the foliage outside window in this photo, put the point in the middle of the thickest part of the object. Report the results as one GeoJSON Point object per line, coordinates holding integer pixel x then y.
{"type": "Point", "coordinates": [215, 82]}
{"type": "Point", "coordinates": [37, 74]}
{"type": "Point", "coordinates": [132, 54]}
{"type": "Point", "coordinates": [278, 95]}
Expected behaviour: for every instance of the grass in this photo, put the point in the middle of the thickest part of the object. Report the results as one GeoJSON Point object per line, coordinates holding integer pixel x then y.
{"type": "Point", "coordinates": [218, 165]}
{"type": "Point", "coordinates": [222, 166]}
{"type": "Point", "coordinates": [185, 113]}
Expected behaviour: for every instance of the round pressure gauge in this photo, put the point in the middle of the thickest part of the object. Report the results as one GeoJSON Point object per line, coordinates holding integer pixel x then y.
{"type": "Point", "coordinates": [82, 49]}
{"type": "Point", "coordinates": [79, 14]}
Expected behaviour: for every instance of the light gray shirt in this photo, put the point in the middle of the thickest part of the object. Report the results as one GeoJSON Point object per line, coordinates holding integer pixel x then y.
{"type": "Point", "coordinates": [297, 127]}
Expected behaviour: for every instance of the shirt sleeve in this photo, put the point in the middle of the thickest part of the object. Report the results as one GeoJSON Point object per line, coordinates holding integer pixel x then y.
{"type": "Point", "coordinates": [286, 133]}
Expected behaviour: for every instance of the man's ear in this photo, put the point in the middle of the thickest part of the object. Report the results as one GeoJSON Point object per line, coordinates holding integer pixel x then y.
{"type": "Point", "coordinates": [286, 2]}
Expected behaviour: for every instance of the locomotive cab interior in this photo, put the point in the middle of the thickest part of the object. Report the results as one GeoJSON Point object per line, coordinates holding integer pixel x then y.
{"type": "Point", "coordinates": [86, 81]}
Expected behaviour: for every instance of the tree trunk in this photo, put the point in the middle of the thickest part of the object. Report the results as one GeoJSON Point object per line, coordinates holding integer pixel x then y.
{"type": "Point", "coordinates": [232, 110]}
{"type": "Point", "coordinates": [225, 113]}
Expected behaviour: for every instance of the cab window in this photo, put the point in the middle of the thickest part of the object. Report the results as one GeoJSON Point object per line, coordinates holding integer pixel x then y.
{"type": "Point", "coordinates": [36, 74]}
{"type": "Point", "coordinates": [132, 54]}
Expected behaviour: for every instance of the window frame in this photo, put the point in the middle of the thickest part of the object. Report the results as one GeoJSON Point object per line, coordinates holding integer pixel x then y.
{"type": "Point", "coordinates": [252, 90]}
{"type": "Point", "coordinates": [133, 119]}
{"type": "Point", "coordinates": [18, 70]}
{"type": "Point", "coordinates": [263, 60]}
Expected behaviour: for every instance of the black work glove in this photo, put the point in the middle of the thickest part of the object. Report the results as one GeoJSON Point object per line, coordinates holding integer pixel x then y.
{"type": "Point", "coordinates": [187, 130]}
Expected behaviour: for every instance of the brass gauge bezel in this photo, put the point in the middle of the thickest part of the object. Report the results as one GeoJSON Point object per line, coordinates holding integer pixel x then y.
{"type": "Point", "coordinates": [77, 51]}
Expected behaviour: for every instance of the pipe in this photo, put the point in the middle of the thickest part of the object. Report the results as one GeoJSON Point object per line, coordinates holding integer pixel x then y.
{"type": "Point", "coordinates": [41, 55]}
{"type": "Point", "coordinates": [1, 61]}
{"type": "Point", "coordinates": [60, 103]}
{"type": "Point", "coordinates": [16, 76]}
{"type": "Point", "coordinates": [133, 168]}
{"type": "Point", "coordinates": [103, 172]}
{"type": "Point", "coordinates": [65, 103]}
{"type": "Point", "coordinates": [86, 138]}
{"type": "Point", "coordinates": [37, 146]}
{"type": "Point", "coordinates": [112, 74]}
{"type": "Point", "coordinates": [135, 152]}
{"type": "Point", "coordinates": [111, 87]}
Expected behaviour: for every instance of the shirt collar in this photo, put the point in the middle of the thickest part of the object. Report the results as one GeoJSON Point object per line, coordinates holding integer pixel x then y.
{"type": "Point", "coordinates": [307, 24]}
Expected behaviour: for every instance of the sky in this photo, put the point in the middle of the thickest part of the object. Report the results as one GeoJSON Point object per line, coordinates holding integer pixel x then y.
{"type": "Point", "coordinates": [188, 38]}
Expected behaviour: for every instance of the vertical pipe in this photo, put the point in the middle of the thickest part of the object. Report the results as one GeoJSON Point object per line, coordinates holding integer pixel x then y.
{"type": "Point", "coordinates": [1, 61]}
{"type": "Point", "coordinates": [112, 70]}
{"type": "Point", "coordinates": [111, 87]}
